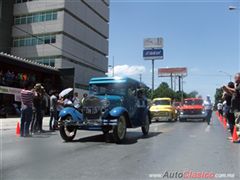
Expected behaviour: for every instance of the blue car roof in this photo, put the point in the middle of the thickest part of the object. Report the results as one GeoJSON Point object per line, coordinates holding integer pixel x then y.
{"type": "Point", "coordinates": [102, 80]}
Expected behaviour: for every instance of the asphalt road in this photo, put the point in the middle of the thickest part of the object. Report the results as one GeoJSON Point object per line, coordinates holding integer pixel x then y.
{"type": "Point", "coordinates": [170, 147]}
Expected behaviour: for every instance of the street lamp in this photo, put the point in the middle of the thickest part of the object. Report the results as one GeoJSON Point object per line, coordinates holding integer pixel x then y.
{"type": "Point", "coordinates": [227, 74]}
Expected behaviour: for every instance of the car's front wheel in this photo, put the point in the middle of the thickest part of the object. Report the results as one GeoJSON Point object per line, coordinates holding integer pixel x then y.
{"type": "Point", "coordinates": [146, 127]}
{"type": "Point", "coordinates": [119, 131]}
{"type": "Point", "coordinates": [67, 133]}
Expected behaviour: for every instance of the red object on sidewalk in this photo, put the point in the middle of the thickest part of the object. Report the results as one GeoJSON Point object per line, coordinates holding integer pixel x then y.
{"type": "Point", "coordinates": [220, 118]}
{"type": "Point", "coordinates": [235, 135]}
{"type": "Point", "coordinates": [18, 129]}
{"type": "Point", "coordinates": [224, 123]}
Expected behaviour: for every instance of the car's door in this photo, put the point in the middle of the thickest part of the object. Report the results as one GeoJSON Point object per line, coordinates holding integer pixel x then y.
{"type": "Point", "coordinates": [131, 101]}
{"type": "Point", "coordinates": [136, 107]}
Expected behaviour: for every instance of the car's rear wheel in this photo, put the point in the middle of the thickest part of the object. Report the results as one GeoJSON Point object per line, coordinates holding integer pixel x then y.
{"type": "Point", "coordinates": [119, 131]}
{"type": "Point", "coordinates": [67, 133]}
{"type": "Point", "coordinates": [146, 127]}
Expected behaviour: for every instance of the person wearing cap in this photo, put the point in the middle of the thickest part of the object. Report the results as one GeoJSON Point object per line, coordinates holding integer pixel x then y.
{"type": "Point", "coordinates": [208, 108]}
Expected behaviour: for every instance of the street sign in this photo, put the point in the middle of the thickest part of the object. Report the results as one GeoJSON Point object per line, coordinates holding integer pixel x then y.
{"type": "Point", "coordinates": [152, 54]}
{"type": "Point", "coordinates": [150, 43]}
{"type": "Point", "coordinates": [167, 72]}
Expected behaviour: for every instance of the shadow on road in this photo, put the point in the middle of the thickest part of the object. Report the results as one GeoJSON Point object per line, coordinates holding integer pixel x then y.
{"type": "Point", "coordinates": [46, 134]}
{"type": "Point", "coordinates": [156, 122]}
{"type": "Point", "coordinates": [131, 138]}
{"type": "Point", "coordinates": [192, 121]}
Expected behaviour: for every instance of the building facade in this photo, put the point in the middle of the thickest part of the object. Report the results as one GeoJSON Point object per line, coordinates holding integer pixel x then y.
{"type": "Point", "coordinates": [6, 20]}
{"type": "Point", "coordinates": [64, 34]}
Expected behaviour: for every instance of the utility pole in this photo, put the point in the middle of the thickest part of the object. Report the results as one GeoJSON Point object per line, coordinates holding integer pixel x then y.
{"type": "Point", "coordinates": [152, 76]}
{"type": "Point", "coordinates": [140, 77]}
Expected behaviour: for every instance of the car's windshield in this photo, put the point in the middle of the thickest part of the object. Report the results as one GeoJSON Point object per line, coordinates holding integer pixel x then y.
{"type": "Point", "coordinates": [161, 102]}
{"type": "Point", "coordinates": [108, 89]}
{"type": "Point", "coordinates": [193, 102]}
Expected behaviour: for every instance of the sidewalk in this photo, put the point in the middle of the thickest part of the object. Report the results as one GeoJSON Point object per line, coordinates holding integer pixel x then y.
{"type": "Point", "coordinates": [11, 123]}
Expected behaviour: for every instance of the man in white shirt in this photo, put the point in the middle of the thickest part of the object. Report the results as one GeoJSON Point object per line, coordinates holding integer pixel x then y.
{"type": "Point", "coordinates": [76, 101]}
{"type": "Point", "coordinates": [220, 108]}
{"type": "Point", "coordinates": [208, 107]}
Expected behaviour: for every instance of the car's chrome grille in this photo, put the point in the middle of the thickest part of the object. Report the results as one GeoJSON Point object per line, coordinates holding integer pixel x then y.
{"type": "Point", "coordinates": [92, 108]}
{"type": "Point", "coordinates": [192, 112]}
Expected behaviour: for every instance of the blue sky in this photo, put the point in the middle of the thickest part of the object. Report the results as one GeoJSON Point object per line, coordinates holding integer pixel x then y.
{"type": "Point", "coordinates": [200, 35]}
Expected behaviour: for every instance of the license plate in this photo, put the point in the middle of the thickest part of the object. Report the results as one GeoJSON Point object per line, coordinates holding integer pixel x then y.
{"type": "Point", "coordinates": [93, 110]}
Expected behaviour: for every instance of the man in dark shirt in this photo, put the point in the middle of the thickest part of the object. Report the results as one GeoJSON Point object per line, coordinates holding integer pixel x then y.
{"type": "Point", "coordinates": [235, 103]}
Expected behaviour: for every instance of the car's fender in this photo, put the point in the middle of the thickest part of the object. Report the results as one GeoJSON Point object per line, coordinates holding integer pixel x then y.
{"type": "Point", "coordinates": [117, 112]}
{"type": "Point", "coordinates": [76, 115]}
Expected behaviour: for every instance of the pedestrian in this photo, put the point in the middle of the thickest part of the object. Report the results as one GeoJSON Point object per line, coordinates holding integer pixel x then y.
{"type": "Point", "coordinates": [220, 108]}
{"type": "Point", "coordinates": [76, 101]}
{"type": "Point", "coordinates": [228, 112]}
{"type": "Point", "coordinates": [53, 111]}
{"type": "Point", "coordinates": [235, 101]}
{"type": "Point", "coordinates": [38, 102]}
{"type": "Point", "coordinates": [65, 101]}
{"type": "Point", "coordinates": [208, 107]}
{"type": "Point", "coordinates": [26, 109]}
{"type": "Point", "coordinates": [85, 95]}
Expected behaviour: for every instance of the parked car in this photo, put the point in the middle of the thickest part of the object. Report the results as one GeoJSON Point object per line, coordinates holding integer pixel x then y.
{"type": "Point", "coordinates": [192, 109]}
{"type": "Point", "coordinates": [114, 103]}
{"type": "Point", "coordinates": [162, 110]}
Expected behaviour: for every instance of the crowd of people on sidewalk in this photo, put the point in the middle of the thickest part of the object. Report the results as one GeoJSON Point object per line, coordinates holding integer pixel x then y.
{"type": "Point", "coordinates": [35, 102]}
{"type": "Point", "coordinates": [229, 105]}
{"type": "Point", "coordinates": [15, 79]}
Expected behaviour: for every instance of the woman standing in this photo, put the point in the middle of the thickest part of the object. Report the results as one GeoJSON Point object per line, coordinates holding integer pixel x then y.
{"type": "Point", "coordinates": [228, 113]}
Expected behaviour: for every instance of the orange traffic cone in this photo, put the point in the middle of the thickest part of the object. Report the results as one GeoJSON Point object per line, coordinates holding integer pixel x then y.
{"type": "Point", "coordinates": [235, 135]}
{"type": "Point", "coordinates": [224, 123]}
{"type": "Point", "coordinates": [18, 129]}
{"type": "Point", "coordinates": [220, 118]}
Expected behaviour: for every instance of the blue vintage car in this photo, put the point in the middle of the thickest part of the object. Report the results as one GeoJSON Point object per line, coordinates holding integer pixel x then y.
{"type": "Point", "coordinates": [114, 104]}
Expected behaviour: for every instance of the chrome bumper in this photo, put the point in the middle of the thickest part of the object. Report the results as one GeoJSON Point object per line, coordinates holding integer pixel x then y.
{"type": "Point", "coordinates": [161, 118]}
{"type": "Point", "coordinates": [195, 116]}
{"type": "Point", "coordinates": [100, 122]}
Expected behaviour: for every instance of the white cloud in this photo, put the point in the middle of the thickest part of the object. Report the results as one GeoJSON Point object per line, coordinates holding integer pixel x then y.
{"type": "Point", "coordinates": [126, 70]}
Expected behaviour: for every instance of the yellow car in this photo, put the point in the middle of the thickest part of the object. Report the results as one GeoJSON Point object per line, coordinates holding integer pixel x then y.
{"type": "Point", "coordinates": [162, 110]}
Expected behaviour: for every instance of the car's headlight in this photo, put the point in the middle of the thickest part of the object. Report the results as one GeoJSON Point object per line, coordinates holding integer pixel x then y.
{"type": "Point", "coordinates": [203, 111]}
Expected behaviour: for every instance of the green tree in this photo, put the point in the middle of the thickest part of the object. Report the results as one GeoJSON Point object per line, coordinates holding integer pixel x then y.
{"type": "Point", "coordinates": [163, 91]}
{"type": "Point", "coordinates": [193, 94]}
{"type": "Point", "coordinates": [218, 95]}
